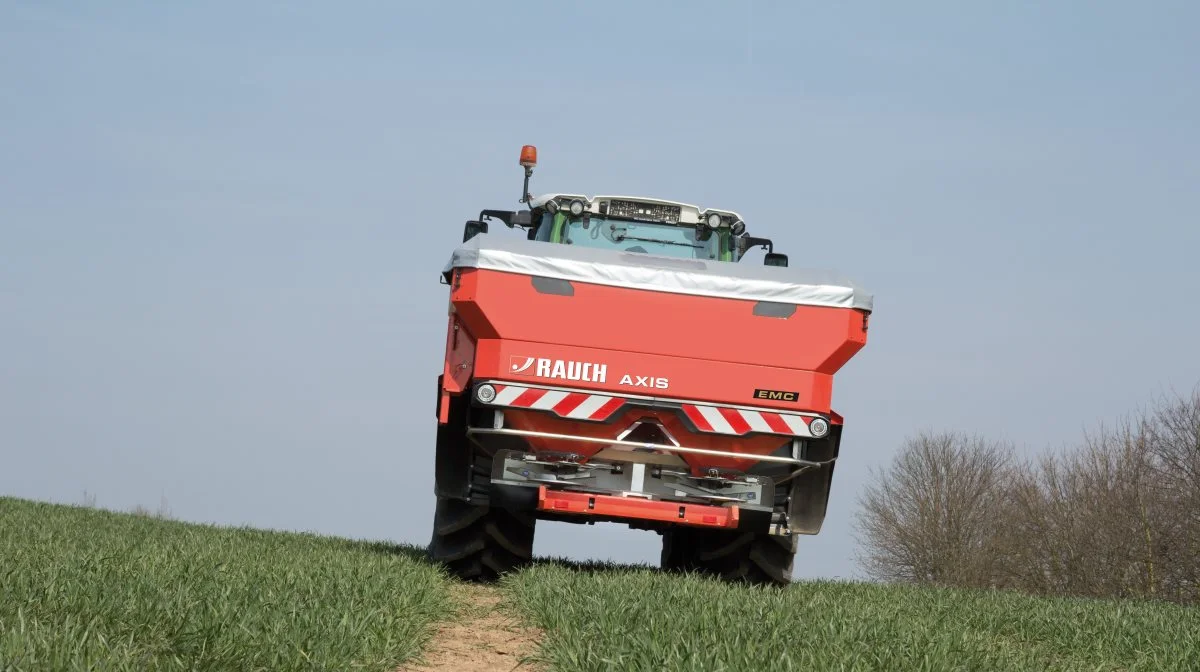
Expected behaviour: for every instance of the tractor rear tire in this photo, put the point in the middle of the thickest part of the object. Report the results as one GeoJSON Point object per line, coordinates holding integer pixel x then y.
{"type": "Point", "coordinates": [749, 557]}
{"type": "Point", "coordinates": [756, 558]}
{"type": "Point", "coordinates": [480, 543]}
{"type": "Point", "coordinates": [677, 543]}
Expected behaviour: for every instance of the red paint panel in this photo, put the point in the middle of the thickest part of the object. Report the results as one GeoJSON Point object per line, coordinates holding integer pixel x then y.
{"type": "Point", "coordinates": [505, 305]}
{"type": "Point", "coordinates": [633, 507]}
{"type": "Point", "coordinates": [716, 382]}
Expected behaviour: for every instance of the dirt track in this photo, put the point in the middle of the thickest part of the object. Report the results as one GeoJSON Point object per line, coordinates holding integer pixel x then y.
{"type": "Point", "coordinates": [481, 638]}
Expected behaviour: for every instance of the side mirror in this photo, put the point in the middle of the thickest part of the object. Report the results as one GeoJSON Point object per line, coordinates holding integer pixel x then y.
{"type": "Point", "coordinates": [775, 259]}
{"type": "Point", "coordinates": [473, 228]}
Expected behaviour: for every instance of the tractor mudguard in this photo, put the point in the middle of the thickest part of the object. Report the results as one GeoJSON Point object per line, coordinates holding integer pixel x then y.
{"type": "Point", "coordinates": [452, 454]}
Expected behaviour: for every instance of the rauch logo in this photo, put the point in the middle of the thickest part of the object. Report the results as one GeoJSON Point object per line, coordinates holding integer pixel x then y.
{"type": "Point", "coordinates": [558, 368]}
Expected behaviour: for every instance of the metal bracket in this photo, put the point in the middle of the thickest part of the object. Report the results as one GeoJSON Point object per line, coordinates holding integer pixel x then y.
{"type": "Point", "coordinates": [649, 446]}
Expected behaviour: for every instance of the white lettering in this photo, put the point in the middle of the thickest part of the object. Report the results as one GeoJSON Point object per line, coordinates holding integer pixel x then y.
{"type": "Point", "coordinates": [570, 370]}
{"type": "Point", "coordinates": [645, 381]}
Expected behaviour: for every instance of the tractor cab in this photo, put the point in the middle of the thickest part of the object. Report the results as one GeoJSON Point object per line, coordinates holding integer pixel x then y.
{"type": "Point", "coordinates": [638, 225]}
{"type": "Point", "coordinates": [629, 224]}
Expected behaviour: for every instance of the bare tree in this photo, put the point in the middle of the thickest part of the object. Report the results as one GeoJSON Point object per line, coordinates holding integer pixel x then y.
{"type": "Point", "coordinates": [1174, 441]}
{"type": "Point", "coordinates": [1088, 522]}
{"type": "Point", "coordinates": [933, 516]}
{"type": "Point", "coordinates": [1117, 516]}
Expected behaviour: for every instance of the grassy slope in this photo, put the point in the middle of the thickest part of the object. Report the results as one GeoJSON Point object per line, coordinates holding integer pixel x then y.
{"type": "Point", "coordinates": [82, 588]}
{"type": "Point", "coordinates": [644, 620]}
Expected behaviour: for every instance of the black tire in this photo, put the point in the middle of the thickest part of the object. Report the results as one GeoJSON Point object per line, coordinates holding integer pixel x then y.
{"type": "Point", "coordinates": [480, 543]}
{"type": "Point", "coordinates": [677, 544]}
{"type": "Point", "coordinates": [749, 557]}
{"type": "Point", "coordinates": [757, 558]}
{"type": "Point", "coordinates": [473, 540]}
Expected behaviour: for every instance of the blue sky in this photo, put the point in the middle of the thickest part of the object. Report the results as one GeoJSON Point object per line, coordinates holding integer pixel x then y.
{"type": "Point", "coordinates": [221, 226]}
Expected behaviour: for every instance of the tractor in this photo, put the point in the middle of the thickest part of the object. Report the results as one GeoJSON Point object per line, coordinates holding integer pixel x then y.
{"type": "Point", "coordinates": [625, 361]}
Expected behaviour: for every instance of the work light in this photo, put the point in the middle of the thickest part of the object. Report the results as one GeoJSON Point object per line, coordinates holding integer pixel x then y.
{"type": "Point", "coordinates": [818, 427]}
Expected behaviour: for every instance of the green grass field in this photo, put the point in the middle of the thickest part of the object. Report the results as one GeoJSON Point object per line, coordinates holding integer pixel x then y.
{"type": "Point", "coordinates": [645, 620]}
{"type": "Point", "coordinates": [85, 589]}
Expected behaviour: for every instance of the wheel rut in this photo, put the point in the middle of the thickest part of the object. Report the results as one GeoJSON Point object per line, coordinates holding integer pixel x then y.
{"type": "Point", "coordinates": [483, 636]}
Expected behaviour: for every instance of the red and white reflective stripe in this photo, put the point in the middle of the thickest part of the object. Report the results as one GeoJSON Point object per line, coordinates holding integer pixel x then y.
{"type": "Point", "coordinates": [565, 404]}
{"type": "Point", "coordinates": [600, 407]}
{"type": "Point", "coordinates": [739, 421]}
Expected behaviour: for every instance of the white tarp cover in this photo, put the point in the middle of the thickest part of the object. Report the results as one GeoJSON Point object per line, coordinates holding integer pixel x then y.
{"type": "Point", "coordinates": [741, 280]}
